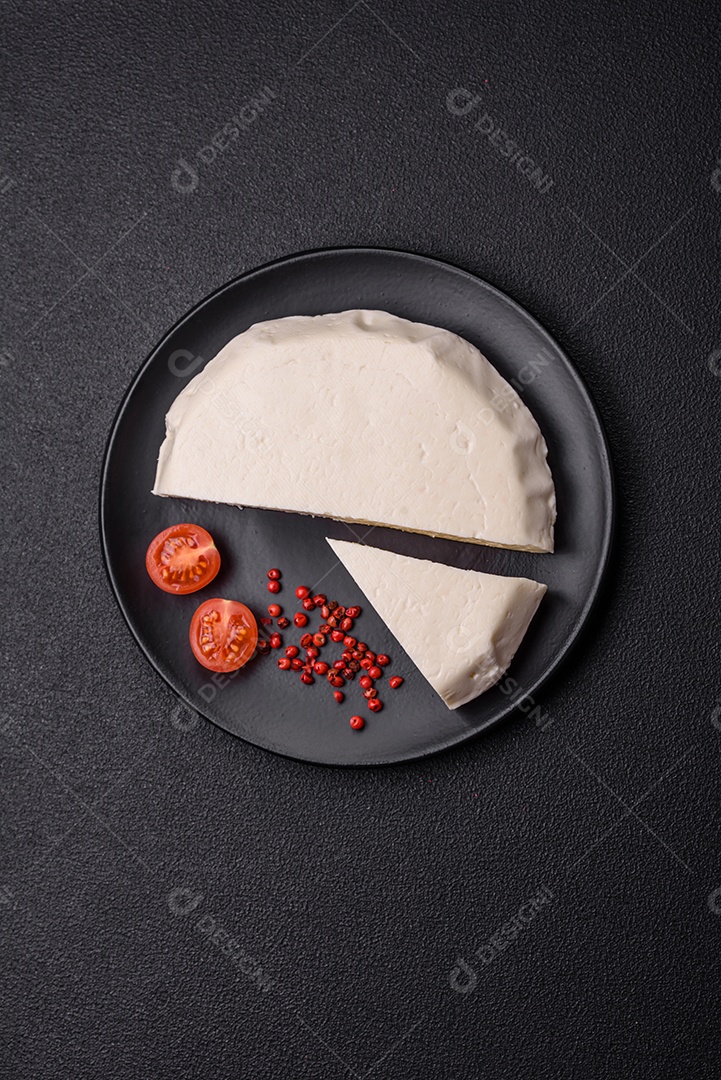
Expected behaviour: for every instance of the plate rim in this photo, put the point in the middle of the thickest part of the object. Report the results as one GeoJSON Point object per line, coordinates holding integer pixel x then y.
{"type": "Point", "coordinates": [610, 488]}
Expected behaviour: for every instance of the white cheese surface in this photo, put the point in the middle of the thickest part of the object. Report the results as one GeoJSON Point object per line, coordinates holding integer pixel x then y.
{"type": "Point", "coordinates": [460, 628]}
{"type": "Point", "coordinates": [365, 417]}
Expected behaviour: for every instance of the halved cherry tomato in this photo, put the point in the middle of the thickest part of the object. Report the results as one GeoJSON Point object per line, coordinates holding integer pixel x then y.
{"type": "Point", "coordinates": [223, 635]}
{"type": "Point", "coordinates": [182, 559]}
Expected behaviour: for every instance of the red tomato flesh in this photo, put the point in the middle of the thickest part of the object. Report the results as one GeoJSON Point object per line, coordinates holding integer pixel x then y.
{"type": "Point", "coordinates": [182, 559]}
{"type": "Point", "coordinates": [223, 635]}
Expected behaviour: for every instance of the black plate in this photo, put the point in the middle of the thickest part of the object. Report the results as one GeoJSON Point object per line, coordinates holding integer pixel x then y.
{"type": "Point", "coordinates": [271, 708]}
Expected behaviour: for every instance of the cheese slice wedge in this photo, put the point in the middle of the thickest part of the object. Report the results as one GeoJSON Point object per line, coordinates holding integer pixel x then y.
{"type": "Point", "coordinates": [460, 628]}
{"type": "Point", "coordinates": [364, 417]}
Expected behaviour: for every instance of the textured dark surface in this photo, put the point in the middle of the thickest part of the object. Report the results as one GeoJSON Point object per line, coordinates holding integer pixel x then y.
{"type": "Point", "coordinates": [358, 892]}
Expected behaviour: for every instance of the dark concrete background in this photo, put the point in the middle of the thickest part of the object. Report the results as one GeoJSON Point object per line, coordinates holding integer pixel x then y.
{"type": "Point", "coordinates": [152, 868]}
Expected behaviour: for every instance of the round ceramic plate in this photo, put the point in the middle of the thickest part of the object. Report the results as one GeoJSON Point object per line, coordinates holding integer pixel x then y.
{"type": "Point", "coordinates": [272, 708]}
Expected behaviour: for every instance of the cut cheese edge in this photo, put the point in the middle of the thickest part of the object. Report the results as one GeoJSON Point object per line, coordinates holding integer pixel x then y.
{"type": "Point", "coordinates": [461, 628]}
{"type": "Point", "coordinates": [364, 417]}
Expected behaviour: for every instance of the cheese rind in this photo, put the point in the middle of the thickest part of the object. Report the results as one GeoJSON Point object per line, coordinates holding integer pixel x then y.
{"type": "Point", "coordinates": [461, 628]}
{"type": "Point", "coordinates": [366, 417]}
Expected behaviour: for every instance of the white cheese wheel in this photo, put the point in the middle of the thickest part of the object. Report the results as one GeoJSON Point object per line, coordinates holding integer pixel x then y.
{"type": "Point", "coordinates": [460, 628]}
{"type": "Point", "coordinates": [363, 417]}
